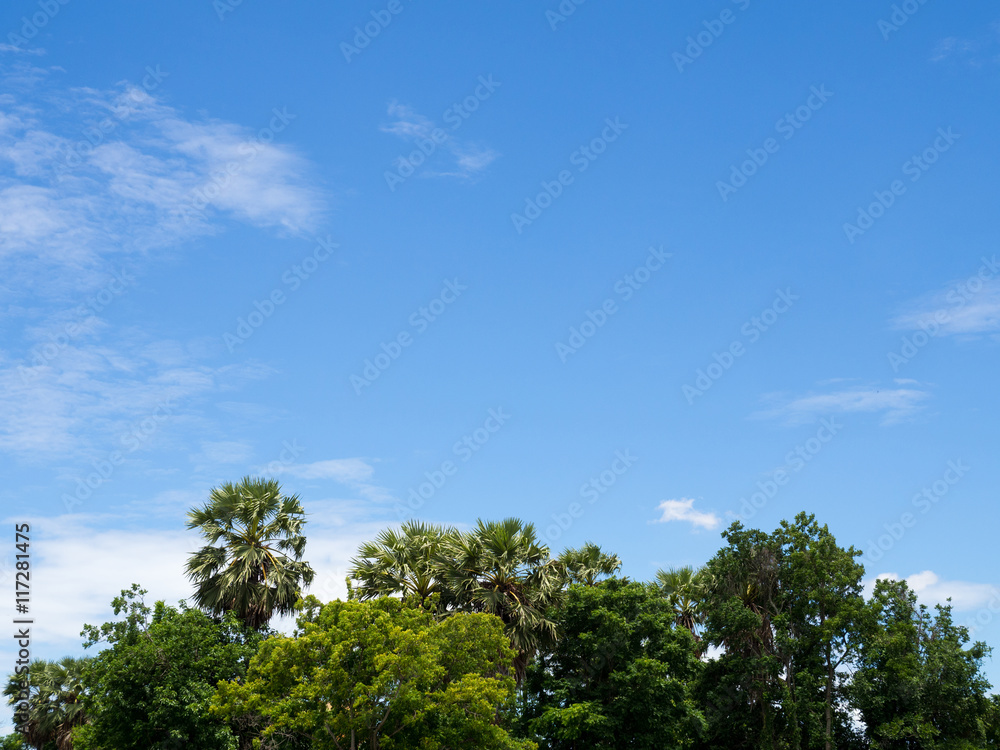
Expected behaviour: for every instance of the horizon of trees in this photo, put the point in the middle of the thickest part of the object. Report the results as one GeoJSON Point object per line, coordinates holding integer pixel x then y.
{"type": "Point", "coordinates": [485, 638]}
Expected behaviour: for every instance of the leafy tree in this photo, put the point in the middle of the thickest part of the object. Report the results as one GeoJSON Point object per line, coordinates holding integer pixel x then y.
{"type": "Point", "coordinates": [783, 608]}
{"type": "Point", "coordinates": [917, 685]}
{"type": "Point", "coordinates": [380, 675]}
{"type": "Point", "coordinates": [151, 687]}
{"type": "Point", "coordinates": [14, 741]}
{"type": "Point", "coordinates": [991, 724]}
{"type": "Point", "coordinates": [406, 563]}
{"type": "Point", "coordinates": [818, 629]}
{"type": "Point", "coordinates": [501, 568]}
{"type": "Point", "coordinates": [587, 563]}
{"type": "Point", "coordinates": [257, 569]}
{"type": "Point", "coordinates": [498, 568]}
{"type": "Point", "coordinates": [620, 675]}
{"type": "Point", "coordinates": [55, 701]}
{"type": "Point", "coordinates": [742, 689]}
{"type": "Point", "coordinates": [685, 589]}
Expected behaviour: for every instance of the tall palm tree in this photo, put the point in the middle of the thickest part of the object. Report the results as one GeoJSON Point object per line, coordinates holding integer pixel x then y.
{"type": "Point", "coordinates": [252, 562]}
{"type": "Point", "coordinates": [55, 701]}
{"type": "Point", "coordinates": [585, 564]}
{"type": "Point", "coordinates": [685, 589]}
{"type": "Point", "coordinates": [405, 562]}
{"type": "Point", "coordinates": [501, 568]}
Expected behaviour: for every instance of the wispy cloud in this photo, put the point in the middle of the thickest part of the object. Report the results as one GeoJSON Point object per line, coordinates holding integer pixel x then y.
{"type": "Point", "coordinates": [352, 472]}
{"type": "Point", "coordinates": [952, 45]}
{"type": "Point", "coordinates": [930, 589]}
{"type": "Point", "coordinates": [13, 49]}
{"type": "Point", "coordinates": [93, 181]}
{"type": "Point", "coordinates": [83, 561]}
{"type": "Point", "coordinates": [89, 174]}
{"type": "Point", "coordinates": [683, 510]}
{"type": "Point", "coordinates": [895, 404]}
{"type": "Point", "coordinates": [87, 399]}
{"type": "Point", "coordinates": [338, 469]}
{"type": "Point", "coordinates": [226, 451]}
{"type": "Point", "coordinates": [466, 158]}
{"type": "Point", "coordinates": [955, 311]}
{"type": "Point", "coordinates": [973, 52]}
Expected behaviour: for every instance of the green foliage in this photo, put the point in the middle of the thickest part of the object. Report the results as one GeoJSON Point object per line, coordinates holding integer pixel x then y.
{"type": "Point", "coordinates": [817, 630]}
{"type": "Point", "coordinates": [257, 570]}
{"type": "Point", "coordinates": [380, 675]}
{"type": "Point", "coordinates": [13, 741]}
{"type": "Point", "coordinates": [991, 723]}
{"type": "Point", "coordinates": [917, 686]}
{"type": "Point", "coordinates": [55, 701]}
{"type": "Point", "coordinates": [406, 563]}
{"type": "Point", "coordinates": [151, 688]}
{"type": "Point", "coordinates": [498, 568]}
{"type": "Point", "coordinates": [783, 607]}
{"type": "Point", "coordinates": [501, 568]}
{"type": "Point", "coordinates": [619, 675]}
{"type": "Point", "coordinates": [587, 563]}
{"type": "Point", "coordinates": [685, 590]}
{"type": "Point", "coordinates": [770, 645]}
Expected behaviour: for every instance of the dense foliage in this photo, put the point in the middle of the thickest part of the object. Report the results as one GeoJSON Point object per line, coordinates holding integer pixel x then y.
{"type": "Point", "coordinates": [252, 562]}
{"type": "Point", "coordinates": [152, 687]}
{"type": "Point", "coordinates": [381, 675]}
{"type": "Point", "coordinates": [484, 639]}
{"type": "Point", "coordinates": [620, 675]}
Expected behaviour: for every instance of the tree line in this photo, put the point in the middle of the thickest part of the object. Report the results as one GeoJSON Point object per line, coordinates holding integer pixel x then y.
{"type": "Point", "coordinates": [483, 639]}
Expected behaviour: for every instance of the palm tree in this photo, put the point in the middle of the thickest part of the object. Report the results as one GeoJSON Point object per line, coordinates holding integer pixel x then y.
{"type": "Point", "coordinates": [55, 701]}
{"type": "Point", "coordinates": [500, 568]}
{"type": "Point", "coordinates": [585, 564]}
{"type": "Point", "coordinates": [685, 589]}
{"type": "Point", "coordinates": [405, 562]}
{"type": "Point", "coordinates": [257, 570]}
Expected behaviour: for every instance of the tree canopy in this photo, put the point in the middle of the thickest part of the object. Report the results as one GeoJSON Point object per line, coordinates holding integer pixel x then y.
{"type": "Point", "coordinates": [381, 675]}
{"type": "Point", "coordinates": [252, 561]}
{"type": "Point", "coordinates": [483, 638]}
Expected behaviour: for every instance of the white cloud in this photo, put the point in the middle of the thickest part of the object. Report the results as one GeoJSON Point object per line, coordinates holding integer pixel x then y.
{"type": "Point", "coordinates": [91, 181]}
{"type": "Point", "coordinates": [226, 451]}
{"type": "Point", "coordinates": [353, 472]}
{"type": "Point", "coordinates": [950, 46]}
{"type": "Point", "coordinates": [930, 589]}
{"type": "Point", "coordinates": [973, 52]}
{"type": "Point", "coordinates": [86, 175]}
{"type": "Point", "coordinates": [92, 398]}
{"type": "Point", "coordinates": [469, 158]}
{"type": "Point", "coordinates": [340, 469]}
{"type": "Point", "coordinates": [80, 563]}
{"type": "Point", "coordinates": [683, 510]}
{"type": "Point", "coordinates": [954, 311]}
{"type": "Point", "coordinates": [895, 404]}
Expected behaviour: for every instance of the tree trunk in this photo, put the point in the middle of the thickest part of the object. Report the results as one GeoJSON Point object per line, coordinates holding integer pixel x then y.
{"type": "Point", "coordinates": [829, 697]}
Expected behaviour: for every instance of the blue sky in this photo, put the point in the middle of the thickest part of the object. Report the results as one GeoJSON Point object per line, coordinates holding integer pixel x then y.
{"type": "Point", "coordinates": [612, 270]}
